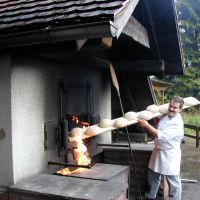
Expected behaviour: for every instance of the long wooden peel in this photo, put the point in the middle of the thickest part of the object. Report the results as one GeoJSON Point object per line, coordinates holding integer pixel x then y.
{"type": "Point", "coordinates": [98, 130]}
{"type": "Point", "coordinates": [116, 84]}
{"type": "Point", "coordinates": [111, 128]}
{"type": "Point", "coordinates": [114, 78]}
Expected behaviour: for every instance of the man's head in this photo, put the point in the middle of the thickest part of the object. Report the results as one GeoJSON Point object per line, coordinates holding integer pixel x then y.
{"type": "Point", "coordinates": [175, 106]}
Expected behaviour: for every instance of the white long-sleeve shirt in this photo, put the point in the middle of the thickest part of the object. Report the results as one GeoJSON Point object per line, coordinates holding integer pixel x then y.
{"type": "Point", "coordinates": [166, 156]}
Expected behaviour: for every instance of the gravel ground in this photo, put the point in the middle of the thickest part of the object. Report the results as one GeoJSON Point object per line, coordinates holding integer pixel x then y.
{"type": "Point", "coordinates": [190, 169]}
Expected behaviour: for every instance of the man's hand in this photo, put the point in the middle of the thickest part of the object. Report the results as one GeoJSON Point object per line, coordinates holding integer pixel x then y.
{"type": "Point", "coordinates": [143, 123]}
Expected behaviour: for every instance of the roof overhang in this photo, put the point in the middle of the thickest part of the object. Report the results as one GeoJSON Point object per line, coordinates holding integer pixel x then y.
{"type": "Point", "coordinates": [160, 19]}
{"type": "Point", "coordinates": [153, 23]}
{"type": "Point", "coordinates": [59, 34]}
{"type": "Point", "coordinates": [109, 27]}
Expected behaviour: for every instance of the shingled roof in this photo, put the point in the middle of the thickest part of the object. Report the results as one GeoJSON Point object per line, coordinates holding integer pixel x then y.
{"type": "Point", "coordinates": [23, 15]}
{"type": "Point", "coordinates": [30, 22]}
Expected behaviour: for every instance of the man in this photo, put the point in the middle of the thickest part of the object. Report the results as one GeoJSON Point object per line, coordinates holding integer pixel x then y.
{"type": "Point", "coordinates": [166, 156]}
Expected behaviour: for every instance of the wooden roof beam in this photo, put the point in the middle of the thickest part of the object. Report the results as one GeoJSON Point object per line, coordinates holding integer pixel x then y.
{"type": "Point", "coordinates": [106, 42]}
{"type": "Point", "coordinates": [147, 67]}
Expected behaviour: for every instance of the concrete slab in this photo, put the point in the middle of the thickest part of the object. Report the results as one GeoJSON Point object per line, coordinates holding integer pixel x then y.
{"type": "Point", "coordinates": [52, 187]}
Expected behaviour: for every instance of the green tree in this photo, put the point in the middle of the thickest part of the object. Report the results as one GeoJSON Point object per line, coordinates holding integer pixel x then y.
{"type": "Point", "coordinates": [187, 85]}
{"type": "Point", "coordinates": [189, 23]}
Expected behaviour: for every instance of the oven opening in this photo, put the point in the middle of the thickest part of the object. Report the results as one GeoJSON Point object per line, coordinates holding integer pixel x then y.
{"type": "Point", "coordinates": [75, 105]}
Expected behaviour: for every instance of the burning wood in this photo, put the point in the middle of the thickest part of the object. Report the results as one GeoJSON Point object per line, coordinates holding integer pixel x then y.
{"type": "Point", "coordinates": [81, 157]}
{"type": "Point", "coordinates": [80, 153]}
{"type": "Point", "coordinates": [78, 121]}
{"type": "Point", "coordinates": [131, 118]}
{"type": "Point", "coordinates": [68, 164]}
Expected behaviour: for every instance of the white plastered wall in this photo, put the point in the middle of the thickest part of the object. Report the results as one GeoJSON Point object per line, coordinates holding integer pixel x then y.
{"type": "Point", "coordinates": [34, 101]}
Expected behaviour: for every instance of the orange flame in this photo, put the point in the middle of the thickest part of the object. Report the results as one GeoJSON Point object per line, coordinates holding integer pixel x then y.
{"type": "Point", "coordinates": [76, 120]}
{"type": "Point", "coordinates": [80, 152]}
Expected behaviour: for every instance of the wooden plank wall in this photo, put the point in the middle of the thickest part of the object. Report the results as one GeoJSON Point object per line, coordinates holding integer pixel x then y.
{"type": "Point", "coordinates": [121, 156]}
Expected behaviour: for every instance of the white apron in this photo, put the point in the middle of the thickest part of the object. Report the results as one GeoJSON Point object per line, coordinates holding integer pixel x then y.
{"type": "Point", "coordinates": [166, 156]}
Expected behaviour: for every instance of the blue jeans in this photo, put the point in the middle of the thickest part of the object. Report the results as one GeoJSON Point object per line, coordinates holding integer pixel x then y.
{"type": "Point", "coordinates": [174, 183]}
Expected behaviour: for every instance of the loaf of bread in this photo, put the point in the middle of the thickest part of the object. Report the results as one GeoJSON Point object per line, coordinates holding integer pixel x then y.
{"type": "Point", "coordinates": [130, 115]}
{"type": "Point", "coordinates": [105, 123]}
{"type": "Point", "coordinates": [120, 122]}
{"type": "Point", "coordinates": [76, 132]}
{"type": "Point", "coordinates": [164, 109]}
{"type": "Point", "coordinates": [147, 115]}
{"type": "Point", "coordinates": [191, 101]}
{"type": "Point", "coordinates": [92, 130]}
{"type": "Point", "coordinates": [153, 108]}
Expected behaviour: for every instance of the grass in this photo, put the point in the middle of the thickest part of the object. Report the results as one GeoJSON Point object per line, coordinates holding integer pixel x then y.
{"type": "Point", "coordinates": [192, 119]}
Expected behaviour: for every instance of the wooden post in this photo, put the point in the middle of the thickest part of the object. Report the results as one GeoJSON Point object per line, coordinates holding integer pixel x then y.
{"type": "Point", "coordinates": [197, 137]}
{"type": "Point", "coordinates": [163, 95]}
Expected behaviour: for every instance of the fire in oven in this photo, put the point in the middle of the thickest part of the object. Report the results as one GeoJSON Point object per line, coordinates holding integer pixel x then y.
{"type": "Point", "coordinates": [68, 158]}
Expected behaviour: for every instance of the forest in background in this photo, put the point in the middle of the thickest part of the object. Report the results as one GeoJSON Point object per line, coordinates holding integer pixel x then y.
{"type": "Point", "coordinates": [188, 13]}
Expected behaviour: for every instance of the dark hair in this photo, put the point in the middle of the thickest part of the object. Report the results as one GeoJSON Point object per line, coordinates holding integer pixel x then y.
{"type": "Point", "coordinates": [179, 100]}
